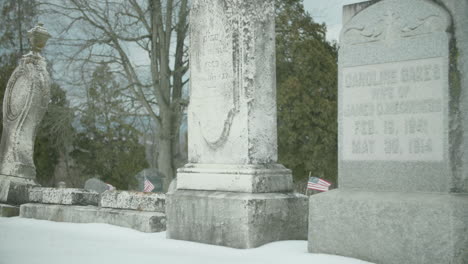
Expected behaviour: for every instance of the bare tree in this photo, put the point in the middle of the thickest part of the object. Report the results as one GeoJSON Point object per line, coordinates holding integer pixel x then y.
{"type": "Point", "coordinates": [115, 32]}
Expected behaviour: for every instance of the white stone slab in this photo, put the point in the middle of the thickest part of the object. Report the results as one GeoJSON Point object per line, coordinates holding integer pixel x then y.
{"type": "Point", "coordinates": [235, 178]}
{"type": "Point", "coordinates": [153, 202]}
{"type": "Point", "coordinates": [141, 221]}
{"type": "Point", "coordinates": [395, 111]}
{"type": "Point", "coordinates": [65, 196]}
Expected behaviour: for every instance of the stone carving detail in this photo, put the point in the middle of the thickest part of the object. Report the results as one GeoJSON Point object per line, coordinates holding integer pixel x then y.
{"type": "Point", "coordinates": [237, 17]}
{"type": "Point", "coordinates": [26, 99]}
{"type": "Point", "coordinates": [243, 16]}
{"type": "Point", "coordinates": [394, 24]}
{"type": "Point", "coordinates": [213, 53]}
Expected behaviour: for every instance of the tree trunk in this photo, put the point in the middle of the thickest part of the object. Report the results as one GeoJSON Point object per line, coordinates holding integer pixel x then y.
{"type": "Point", "coordinates": [166, 152]}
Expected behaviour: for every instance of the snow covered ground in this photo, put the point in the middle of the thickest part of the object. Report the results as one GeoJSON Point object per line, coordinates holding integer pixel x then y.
{"type": "Point", "coordinates": [36, 241]}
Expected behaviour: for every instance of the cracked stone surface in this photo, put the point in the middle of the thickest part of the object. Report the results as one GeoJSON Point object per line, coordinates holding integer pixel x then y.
{"type": "Point", "coordinates": [65, 196]}
{"type": "Point", "coordinates": [153, 202]}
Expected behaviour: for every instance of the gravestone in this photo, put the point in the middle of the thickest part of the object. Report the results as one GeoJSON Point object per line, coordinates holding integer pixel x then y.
{"type": "Point", "coordinates": [233, 192]}
{"type": "Point", "coordinates": [95, 184]}
{"type": "Point", "coordinates": [25, 102]}
{"type": "Point", "coordinates": [403, 185]}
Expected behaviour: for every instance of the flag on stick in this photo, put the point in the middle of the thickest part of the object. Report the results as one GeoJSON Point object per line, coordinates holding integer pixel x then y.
{"type": "Point", "coordinates": [318, 184]}
{"type": "Point", "coordinates": [148, 186]}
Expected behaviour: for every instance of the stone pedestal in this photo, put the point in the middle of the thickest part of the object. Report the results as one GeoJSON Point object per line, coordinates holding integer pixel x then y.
{"type": "Point", "coordinates": [390, 227]}
{"type": "Point", "coordinates": [63, 196]}
{"type": "Point", "coordinates": [139, 220]}
{"type": "Point", "coordinates": [15, 190]}
{"type": "Point", "coordinates": [8, 210]}
{"type": "Point", "coordinates": [402, 118]}
{"type": "Point", "coordinates": [238, 220]}
{"type": "Point", "coordinates": [233, 193]}
{"type": "Point", "coordinates": [141, 211]}
{"type": "Point", "coordinates": [235, 178]}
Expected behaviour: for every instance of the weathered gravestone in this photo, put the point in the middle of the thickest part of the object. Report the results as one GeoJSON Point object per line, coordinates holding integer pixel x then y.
{"type": "Point", "coordinates": [403, 122]}
{"type": "Point", "coordinates": [233, 193]}
{"type": "Point", "coordinates": [25, 103]}
{"type": "Point", "coordinates": [95, 184]}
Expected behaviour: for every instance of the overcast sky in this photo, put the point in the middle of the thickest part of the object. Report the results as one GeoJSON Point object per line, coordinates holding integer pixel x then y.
{"type": "Point", "coordinates": [328, 12]}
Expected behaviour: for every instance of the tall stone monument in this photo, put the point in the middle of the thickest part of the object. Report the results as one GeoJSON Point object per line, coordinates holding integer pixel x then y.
{"type": "Point", "coordinates": [25, 103]}
{"type": "Point", "coordinates": [403, 135]}
{"type": "Point", "coordinates": [233, 192]}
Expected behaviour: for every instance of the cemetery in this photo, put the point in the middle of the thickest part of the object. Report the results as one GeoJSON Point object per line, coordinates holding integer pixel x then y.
{"type": "Point", "coordinates": [401, 190]}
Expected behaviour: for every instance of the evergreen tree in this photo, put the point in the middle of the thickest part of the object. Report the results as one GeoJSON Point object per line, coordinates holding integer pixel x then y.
{"type": "Point", "coordinates": [107, 145]}
{"type": "Point", "coordinates": [306, 94]}
{"type": "Point", "coordinates": [54, 137]}
{"type": "Point", "coordinates": [16, 17]}
{"type": "Point", "coordinates": [104, 30]}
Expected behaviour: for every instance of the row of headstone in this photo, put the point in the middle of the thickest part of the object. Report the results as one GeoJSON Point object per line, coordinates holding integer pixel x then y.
{"type": "Point", "coordinates": [403, 117]}
{"type": "Point", "coordinates": [403, 87]}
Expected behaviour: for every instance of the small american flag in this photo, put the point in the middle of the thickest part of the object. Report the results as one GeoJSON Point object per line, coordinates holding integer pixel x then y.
{"type": "Point", "coordinates": [148, 186]}
{"type": "Point", "coordinates": [318, 184]}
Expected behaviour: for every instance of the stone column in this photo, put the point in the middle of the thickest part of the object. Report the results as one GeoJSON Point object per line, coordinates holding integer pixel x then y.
{"type": "Point", "coordinates": [403, 192]}
{"type": "Point", "coordinates": [233, 192]}
{"type": "Point", "coordinates": [25, 103]}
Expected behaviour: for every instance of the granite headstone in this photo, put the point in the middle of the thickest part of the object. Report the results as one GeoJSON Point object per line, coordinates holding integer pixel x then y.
{"type": "Point", "coordinates": [95, 184]}
{"type": "Point", "coordinates": [402, 195]}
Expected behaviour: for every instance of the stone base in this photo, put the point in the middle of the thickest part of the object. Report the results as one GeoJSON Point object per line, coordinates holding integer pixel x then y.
{"type": "Point", "coordinates": [64, 196]}
{"type": "Point", "coordinates": [238, 220]}
{"type": "Point", "coordinates": [142, 221]}
{"type": "Point", "coordinates": [152, 202]}
{"type": "Point", "coordinates": [235, 178]}
{"type": "Point", "coordinates": [387, 227]}
{"type": "Point", "coordinates": [15, 190]}
{"type": "Point", "coordinates": [7, 210]}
